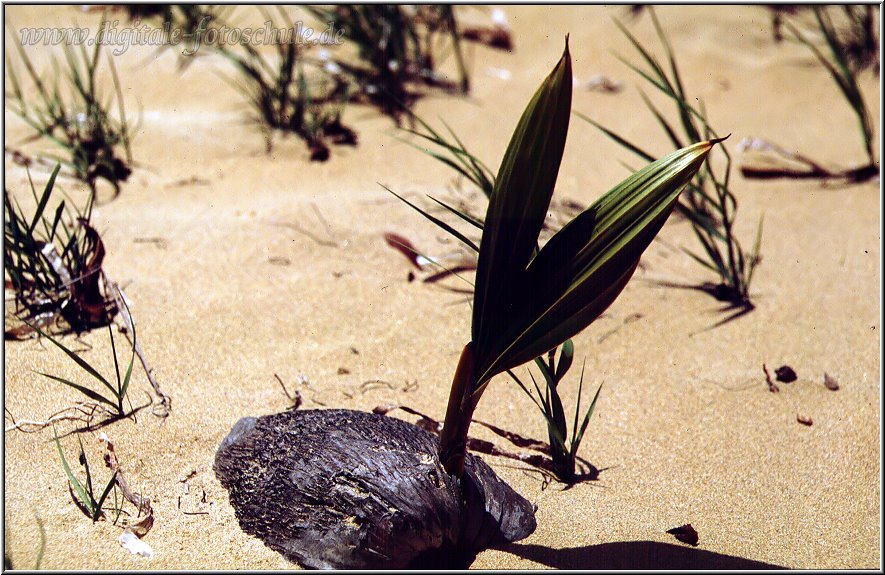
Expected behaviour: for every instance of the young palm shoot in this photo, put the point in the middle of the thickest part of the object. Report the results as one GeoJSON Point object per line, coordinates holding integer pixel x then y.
{"type": "Point", "coordinates": [563, 453]}
{"type": "Point", "coordinates": [529, 301]}
{"type": "Point", "coordinates": [413, 506]}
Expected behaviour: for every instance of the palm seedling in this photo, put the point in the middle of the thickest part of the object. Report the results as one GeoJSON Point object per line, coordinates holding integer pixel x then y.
{"type": "Point", "coordinates": [415, 507]}
{"type": "Point", "coordinates": [709, 204]}
{"type": "Point", "coordinates": [528, 301]}
{"type": "Point", "coordinates": [563, 450]}
{"type": "Point", "coordinates": [289, 95]}
{"type": "Point", "coordinates": [70, 111]}
{"type": "Point", "coordinates": [397, 49]}
{"type": "Point", "coordinates": [53, 263]}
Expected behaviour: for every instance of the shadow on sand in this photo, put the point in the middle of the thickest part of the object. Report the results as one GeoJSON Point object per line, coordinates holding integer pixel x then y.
{"type": "Point", "coordinates": [633, 555]}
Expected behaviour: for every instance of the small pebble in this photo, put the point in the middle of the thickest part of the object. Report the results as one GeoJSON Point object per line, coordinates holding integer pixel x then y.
{"type": "Point", "coordinates": [804, 420]}
{"type": "Point", "coordinates": [830, 382]}
{"type": "Point", "coordinates": [785, 374]}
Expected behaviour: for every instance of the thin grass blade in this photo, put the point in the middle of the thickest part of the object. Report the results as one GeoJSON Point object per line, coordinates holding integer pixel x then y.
{"type": "Point", "coordinates": [82, 389]}
{"type": "Point", "coordinates": [441, 224]}
{"type": "Point", "coordinates": [579, 433]}
{"type": "Point", "coordinates": [72, 479]}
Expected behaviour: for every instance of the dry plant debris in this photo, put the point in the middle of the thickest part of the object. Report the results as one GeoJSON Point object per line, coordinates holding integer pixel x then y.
{"type": "Point", "coordinates": [685, 533]}
{"type": "Point", "coordinates": [772, 386]}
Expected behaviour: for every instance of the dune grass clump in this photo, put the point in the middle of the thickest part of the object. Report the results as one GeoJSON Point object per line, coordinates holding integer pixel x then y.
{"type": "Point", "coordinates": [398, 49]}
{"type": "Point", "coordinates": [563, 449]}
{"type": "Point", "coordinates": [708, 203]}
{"type": "Point", "coordinates": [53, 263]}
{"type": "Point", "coordinates": [53, 267]}
{"type": "Point", "coordinates": [847, 55]}
{"type": "Point", "coordinates": [68, 109]}
{"type": "Point", "coordinates": [528, 300]}
{"type": "Point", "coordinates": [850, 47]}
{"type": "Point", "coordinates": [288, 94]}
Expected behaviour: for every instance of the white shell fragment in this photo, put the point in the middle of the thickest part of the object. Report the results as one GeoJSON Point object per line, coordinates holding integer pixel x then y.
{"type": "Point", "coordinates": [499, 18]}
{"type": "Point", "coordinates": [500, 73]}
{"type": "Point", "coordinates": [134, 545]}
{"type": "Point", "coordinates": [600, 83]}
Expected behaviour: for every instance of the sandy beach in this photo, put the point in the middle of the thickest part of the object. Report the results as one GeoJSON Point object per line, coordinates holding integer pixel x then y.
{"type": "Point", "coordinates": [243, 267]}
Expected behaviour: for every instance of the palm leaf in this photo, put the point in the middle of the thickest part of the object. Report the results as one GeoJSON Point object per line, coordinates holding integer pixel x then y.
{"type": "Point", "coordinates": [519, 202]}
{"type": "Point", "coordinates": [583, 268]}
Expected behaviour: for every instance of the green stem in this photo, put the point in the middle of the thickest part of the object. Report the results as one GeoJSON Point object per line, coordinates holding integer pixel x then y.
{"type": "Point", "coordinates": [459, 414]}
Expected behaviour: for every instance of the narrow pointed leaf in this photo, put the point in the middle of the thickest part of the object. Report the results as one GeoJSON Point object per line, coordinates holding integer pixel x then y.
{"type": "Point", "coordinates": [77, 359]}
{"type": "Point", "coordinates": [82, 389]}
{"type": "Point", "coordinates": [443, 225]}
{"type": "Point", "coordinates": [618, 139]}
{"type": "Point", "coordinates": [464, 216]}
{"type": "Point", "coordinates": [72, 479]}
{"type": "Point", "coordinates": [518, 205]}
{"type": "Point", "coordinates": [105, 493]}
{"type": "Point", "coordinates": [579, 433]}
{"type": "Point", "coordinates": [565, 359]}
{"type": "Point", "coordinates": [44, 199]}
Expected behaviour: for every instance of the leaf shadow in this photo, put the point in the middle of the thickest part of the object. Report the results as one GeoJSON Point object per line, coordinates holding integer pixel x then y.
{"type": "Point", "coordinates": [651, 555]}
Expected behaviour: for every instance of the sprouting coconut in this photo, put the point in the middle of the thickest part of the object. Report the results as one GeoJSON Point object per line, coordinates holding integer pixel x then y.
{"type": "Point", "coordinates": [347, 489]}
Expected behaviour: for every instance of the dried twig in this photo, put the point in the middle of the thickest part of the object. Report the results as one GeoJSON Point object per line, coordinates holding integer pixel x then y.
{"type": "Point", "coordinates": [772, 386]}
{"type": "Point", "coordinates": [93, 416]}
{"type": "Point", "coordinates": [163, 406]}
{"type": "Point", "coordinates": [145, 519]}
